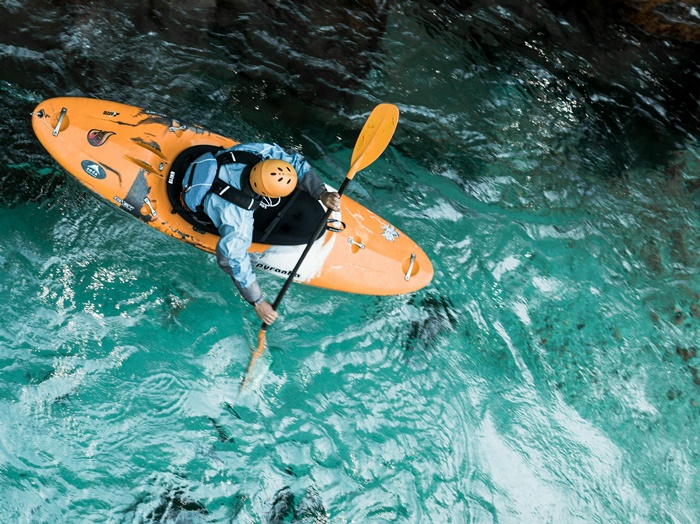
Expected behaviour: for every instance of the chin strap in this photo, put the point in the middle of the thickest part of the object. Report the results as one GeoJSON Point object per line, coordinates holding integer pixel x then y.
{"type": "Point", "coordinates": [267, 202]}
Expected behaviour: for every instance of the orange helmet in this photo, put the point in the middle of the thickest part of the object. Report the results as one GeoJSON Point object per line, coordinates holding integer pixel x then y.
{"type": "Point", "coordinates": [273, 178]}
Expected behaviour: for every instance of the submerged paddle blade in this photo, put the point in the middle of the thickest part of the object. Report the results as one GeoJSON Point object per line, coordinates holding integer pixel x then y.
{"type": "Point", "coordinates": [256, 354]}
{"type": "Point", "coordinates": [374, 137]}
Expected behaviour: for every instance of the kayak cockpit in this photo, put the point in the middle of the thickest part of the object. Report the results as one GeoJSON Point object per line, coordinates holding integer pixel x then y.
{"type": "Point", "coordinates": [291, 221]}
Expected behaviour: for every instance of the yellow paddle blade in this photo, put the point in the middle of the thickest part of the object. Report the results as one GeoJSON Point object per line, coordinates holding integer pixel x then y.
{"type": "Point", "coordinates": [374, 137]}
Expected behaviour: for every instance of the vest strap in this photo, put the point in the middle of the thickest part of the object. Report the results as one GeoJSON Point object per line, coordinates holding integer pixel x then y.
{"type": "Point", "coordinates": [227, 192]}
{"type": "Point", "coordinates": [233, 195]}
{"type": "Point", "coordinates": [237, 157]}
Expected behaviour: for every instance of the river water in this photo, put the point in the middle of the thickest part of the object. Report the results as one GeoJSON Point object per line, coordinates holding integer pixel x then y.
{"type": "Point", "coordinates": [546, 159]}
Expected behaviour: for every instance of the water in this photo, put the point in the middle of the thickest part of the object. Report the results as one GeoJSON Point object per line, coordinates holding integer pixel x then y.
{"type": "Point", "coordinates": [547, 161]}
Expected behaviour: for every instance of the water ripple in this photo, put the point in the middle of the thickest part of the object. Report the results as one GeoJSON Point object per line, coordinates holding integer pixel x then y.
{"type": "Point", "coordinates": [546, 159]}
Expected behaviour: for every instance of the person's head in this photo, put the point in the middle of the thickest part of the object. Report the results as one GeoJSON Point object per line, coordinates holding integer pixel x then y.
{"type": "Point", "coordinates": [273, 178]}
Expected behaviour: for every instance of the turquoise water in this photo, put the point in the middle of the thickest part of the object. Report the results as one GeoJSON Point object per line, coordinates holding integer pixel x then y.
{"type": "Point", "coordinates": [549, 374]}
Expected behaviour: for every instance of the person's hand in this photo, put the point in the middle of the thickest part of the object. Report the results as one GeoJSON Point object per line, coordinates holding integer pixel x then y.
{"type": "Point", "coordinates": [266, 313]}
{"type": "Point", "coordinates": [331, 200]}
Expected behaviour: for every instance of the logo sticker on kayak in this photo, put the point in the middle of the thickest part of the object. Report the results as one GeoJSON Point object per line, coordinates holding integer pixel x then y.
{"type": "Point", "coordinates": [277, 270]}
{"type": "Point", "coordinates": [390, 233]}
{"type": "Point", "coordinates": [96, 137]}
{"type": "Point", "coordinates": [123, 203]}
{"type": "Point", "coordinates": [93, 169]}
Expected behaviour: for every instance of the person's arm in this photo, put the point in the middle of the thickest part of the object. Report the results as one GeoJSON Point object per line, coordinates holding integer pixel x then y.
{"type": "Point", "coordinates": [309, 181]}
{"type": "Point", "coordinates": [232, 256]}
{"type": "Point", "coordinates": [312, 184]}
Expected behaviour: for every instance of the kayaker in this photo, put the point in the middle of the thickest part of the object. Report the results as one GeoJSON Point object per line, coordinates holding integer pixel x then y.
{"type": "Point", "coordinates": [248, 175]}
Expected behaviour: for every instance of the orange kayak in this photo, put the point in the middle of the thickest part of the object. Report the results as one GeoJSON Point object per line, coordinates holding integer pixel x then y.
{"type": "Point", "coordinates": [133, 158]}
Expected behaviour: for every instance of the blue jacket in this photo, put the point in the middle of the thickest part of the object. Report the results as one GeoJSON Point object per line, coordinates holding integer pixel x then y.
{"type": "Point", "coordinates": [234, 223]}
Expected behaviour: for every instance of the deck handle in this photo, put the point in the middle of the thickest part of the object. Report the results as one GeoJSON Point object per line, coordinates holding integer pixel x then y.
{"type": "Point", "coordinates": [57, 129]}
{"type": "Point", "coordinates": [410, 267]}
{"type": "Point", "coordinates": [147, 201]}
{"type": "Point", "coordinates": [358, 244]}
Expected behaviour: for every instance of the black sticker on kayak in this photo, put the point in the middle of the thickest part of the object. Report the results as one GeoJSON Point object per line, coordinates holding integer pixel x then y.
{"type": "Point", "coordinates": [96, 137]}
{"type": "Point", "coordinates": [136, 197]}
{"type": "Point", "coordinates": [93, 169]}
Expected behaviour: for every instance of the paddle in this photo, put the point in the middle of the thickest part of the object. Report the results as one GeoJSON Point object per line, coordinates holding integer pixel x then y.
{"type": "Point", "coordinates": [373, 140]}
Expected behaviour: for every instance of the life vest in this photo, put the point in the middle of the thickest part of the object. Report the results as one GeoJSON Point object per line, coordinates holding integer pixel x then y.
{"type": "Point", "coordinates": [245, 198]}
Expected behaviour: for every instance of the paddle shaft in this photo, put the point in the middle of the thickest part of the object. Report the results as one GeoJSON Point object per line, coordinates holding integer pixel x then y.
{"type": "Point", "coordinates": [373, 140]}
{"type": "Point", "coordinates": [310, 243]}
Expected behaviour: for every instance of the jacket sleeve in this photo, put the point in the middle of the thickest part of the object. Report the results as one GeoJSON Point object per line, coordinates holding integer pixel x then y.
{"type": "Point", "coordinates": [311, 182]}
{"type": "Point", "coordinates": [232, 252]}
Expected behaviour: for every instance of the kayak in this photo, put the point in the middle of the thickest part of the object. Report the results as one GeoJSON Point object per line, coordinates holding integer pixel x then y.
{"type": "Point", "coordinates": [135, 159]}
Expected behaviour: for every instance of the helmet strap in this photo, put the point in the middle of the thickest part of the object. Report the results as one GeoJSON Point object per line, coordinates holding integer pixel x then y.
{"type": "Point", "coordinates": [268, 202]}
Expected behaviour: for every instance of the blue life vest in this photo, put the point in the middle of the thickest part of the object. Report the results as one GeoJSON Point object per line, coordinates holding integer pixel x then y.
{"type": "Point", "coordinates": [194, 194]}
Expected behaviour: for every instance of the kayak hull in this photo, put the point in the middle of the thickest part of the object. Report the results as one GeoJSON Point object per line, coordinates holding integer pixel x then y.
{"type": "Point", "coordinates": [125, 154]}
